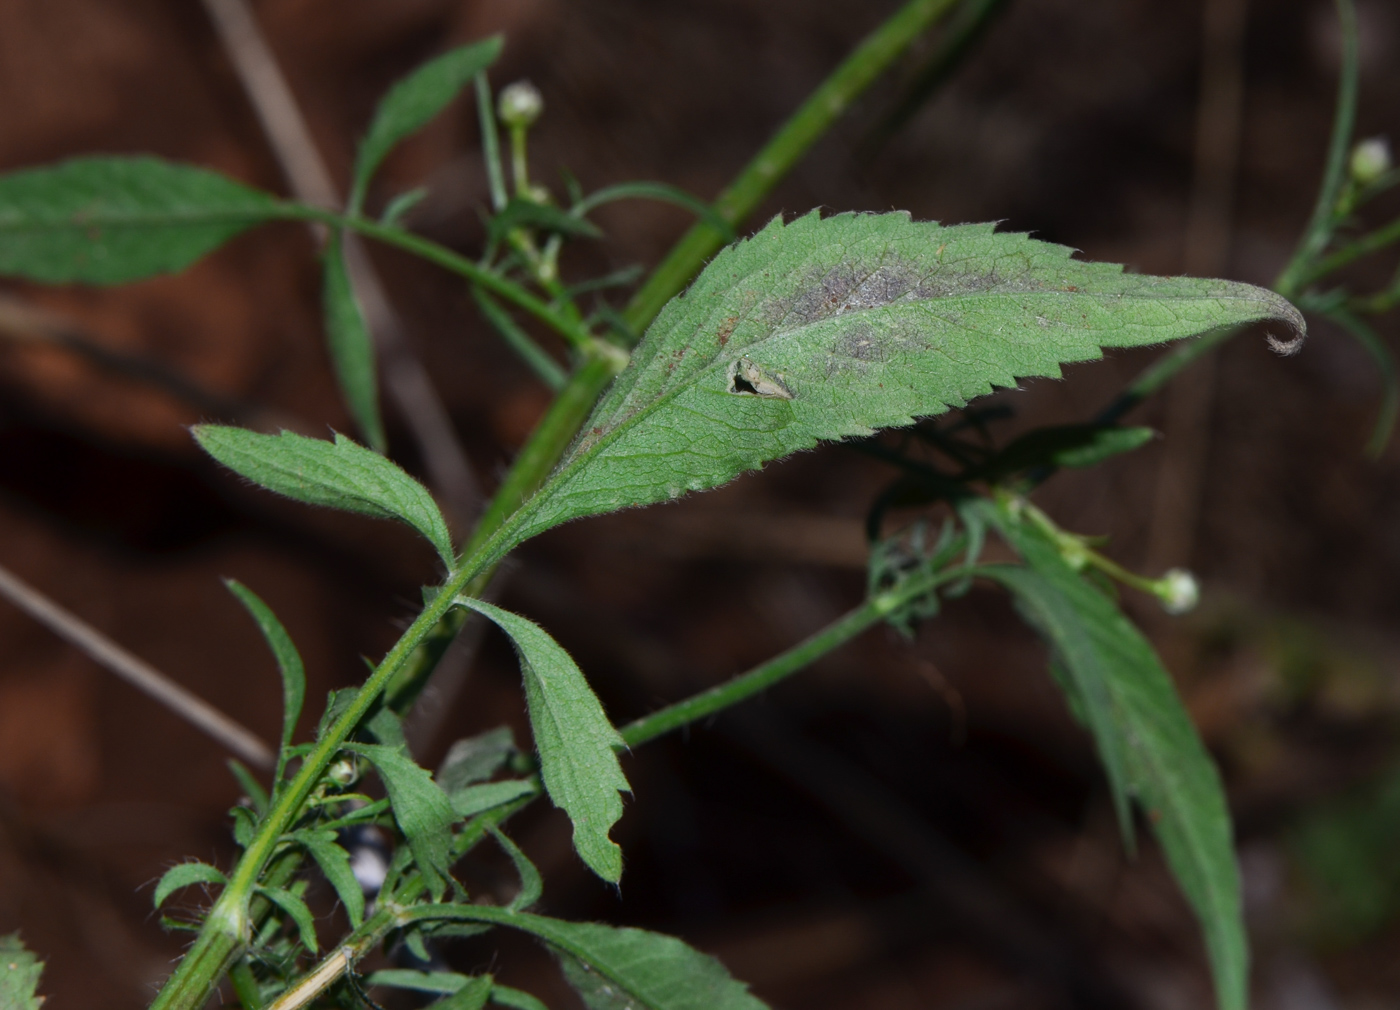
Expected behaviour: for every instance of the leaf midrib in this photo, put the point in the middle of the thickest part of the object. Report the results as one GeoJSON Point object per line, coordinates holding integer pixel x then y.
{"type": "Point", "coordinates": [612, 435]}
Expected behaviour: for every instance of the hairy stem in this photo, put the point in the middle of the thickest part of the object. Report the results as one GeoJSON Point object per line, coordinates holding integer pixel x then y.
{"type": "Point", "coordinates": [796, 136]}
{"type": "Point", "coordinates": [226, 927]}
{"type": "Point", "coordinates": [395, 911]}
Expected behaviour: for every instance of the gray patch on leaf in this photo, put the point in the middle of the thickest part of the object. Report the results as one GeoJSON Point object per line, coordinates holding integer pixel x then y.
{"type": "Point", "coordinates": [749, 379]}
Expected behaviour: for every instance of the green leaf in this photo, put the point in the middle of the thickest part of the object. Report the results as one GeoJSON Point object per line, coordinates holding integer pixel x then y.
{"type": "Point", "coordinates": [413, 101]}
{"type": "Point", "coordinates": [288, 662]}
{"type": "Point", "coordinates": [418, 981]}
{"type": "Point", "coordinates": [337, 474]}
{"type": "Point", "coordinates": [245, 825]}
{"type": "Point", "coordinates": [337, 701]}
{"type": "Point", "coordinates": [400, 205]}
{"type": "Point", "coordinates": [472, 996]}
{"type": "Point", "coordinates": [521, 213]}
{"type": "Point", "coordinates": [421, 809]}
{"type": "Point", "coordinates": [478, 799]}
{"type": "Point", "coordinates": [1144, 736]}
{"type": "Point", "coordinates": [656, 191]}
{"type": "Point", "coordinates": [823, 329]}
{"type": "Point", "coordinates": [386, 726]}
{"type": "Point", "coordinates": [252, 789]}
{"type": "Point", "coordinates": [111, 220]}
{"type": "Point", "coordinates": [531, 884]}
{"type": "Point", "coordinates": [296, 909]}
{"type": "Point", "coordinates": [576, 743]}
{"type": "Point", "coordinates": [475, 759]}
{"type": "Point", "coordinates": [19, 975]}
{"type": "Point", "coordinates": [615, 968]}
{"type": "Point", "coordinates": [184, 875]}
{"type": "Point", "coordinates": [351, 345]}
{"type": "Point", "coordinates": [517, 998]}
{"type": "Point", "coordinates": [334, 862]}
{"type": "Point", "coordinates": [1070, 445]}
{"type": "Point", "coordinates": [464, 992]}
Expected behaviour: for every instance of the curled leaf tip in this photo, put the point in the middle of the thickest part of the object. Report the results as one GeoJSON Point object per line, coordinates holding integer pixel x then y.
{"type": "Point", "coordinates": [1289, 315]}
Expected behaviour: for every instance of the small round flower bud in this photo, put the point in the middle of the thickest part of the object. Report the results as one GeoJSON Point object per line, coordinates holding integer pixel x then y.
{"type": "Point", "coordinates": [1370, 160]}
{"type": "Point", "coordinates": [344, 771]}
{"type": "Point", "coordinates": [1178, 591]}
{"type": "Point", "coordinates": [520, 104]}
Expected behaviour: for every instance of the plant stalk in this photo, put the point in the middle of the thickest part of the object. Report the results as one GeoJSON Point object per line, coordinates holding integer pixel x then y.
{"type": "Point", "coordinates": [796, 136]}
{"type": "Point", "coordinates": [226, 927]}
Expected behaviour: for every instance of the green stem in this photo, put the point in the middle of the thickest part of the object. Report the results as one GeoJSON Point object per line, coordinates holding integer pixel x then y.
{"type": "Point", "coordinates": [225, 929]}
{"type": "Point", "coordinates": [1364, 246]}
{"type": "Point", "coordinates": [490, 143]}
{"type": "Point", "coordinates": [822, 108]}
{"type": "Point", "coordinates": [519, 165]}
{"type": "Point", "coordinates": [546, 369]}
{"type": "Point", "coordinates": [570, 329]}
{"type": "Point", "coordinates": [547, 443]}
{"type": "Point", "coordinates": [760, 678]}
{"type": "Point", "coordinates": [394, 913]}
{"type": "Point", "coordinates": [1324, 216]}
{"type": "Point", "coordinates": [1162, 371]}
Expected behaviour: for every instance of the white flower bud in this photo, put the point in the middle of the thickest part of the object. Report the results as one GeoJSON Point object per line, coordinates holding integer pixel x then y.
{"type": "Point", "coordinates": [520, 104]}
{"type": "Point", "coordinates": [1178, 591]}
{"type": "Point", "coordinates": [344, 771]}
{"type": "Point", "coordinates": [1370, 160]}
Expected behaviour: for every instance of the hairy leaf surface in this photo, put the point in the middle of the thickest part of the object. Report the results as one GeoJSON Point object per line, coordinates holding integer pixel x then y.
{"type": "Point", "coordinates": [416, 99]}
{"type": "Point", "coordinates": [531, 883]}
{"type": "Point", "coordinates": [296, 910]}
{"type": "Point", "coordinates": [183, 875]}
{"type": "Point", "coordinates": [19, 975]}
{"type": "Point", "coordinates": [351, 345]}
{"type": "Point", "coordinates": [419, 981]}
{"type": "Point", "coordinates": [421, 809]}
{"type": "Point", "coordinates": [633, 969]}
{"type": "Point", "coordinates": [334, 862]}
{"type": "Point", "coordinates": [478, 799]}
{"type": "Point", "coordinates": [823, 329]}
{"type": "Point", "coordinates": [1145, 738]}
{"type": "Point", "coordinates": [339, 474]}
{"type": "Point", "coordinates": [111, 220]}
{"type": "Point", "coordinates": [289, 663]}
{"type": "Point", "coordinates": [475, 759]}
{"type": "Point", "coordinates": [576, 743]}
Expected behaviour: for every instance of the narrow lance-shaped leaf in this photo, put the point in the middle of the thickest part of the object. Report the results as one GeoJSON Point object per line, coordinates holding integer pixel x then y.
{"type": "Point", "coordinates": [517, 998]}
{"type": "Point", "coordinates": [351, 345]}
{"type": "Point", "coordinates": [576, 743]}
{"type": "Point", "coordinates": [418, 981]}
{"type": "Point", "coordinates": [296, 910]}
{"type": "Point", "coordinates": [823, 329]}
{"type": "Point", "coordinates": [112, 220]}
{"type": "Point", "coordinates": [475, 759]}
{"type": "Point", "coordinates": [334, 862]}
{"type": "Point", "coordinates": [284, 650]}
{"type": "Point", "coordinates": [1144, 736]}
{"type": "Point", "coordinates": [183, 875]}
{"type": "Point", "coordinates": [421, 809]}
{"type": "Point", "coordinates": [413, 101]}
{"type": "Point", "coordinates": [616, 968]}
{"type": "Point", "coordinates": [478, 799]}
{"type": "Point", "coordinates": [339, 474]}
{"type": "Point", "coordinates": [472, 996]}
{"type": "Point", "coordinates": [19, 975]}
{"type": "Point", "coordinates": [531, 884]}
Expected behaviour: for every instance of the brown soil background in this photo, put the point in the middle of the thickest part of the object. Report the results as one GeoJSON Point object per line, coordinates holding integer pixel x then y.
{"type": "Point", "coordinates": [908, 825]}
